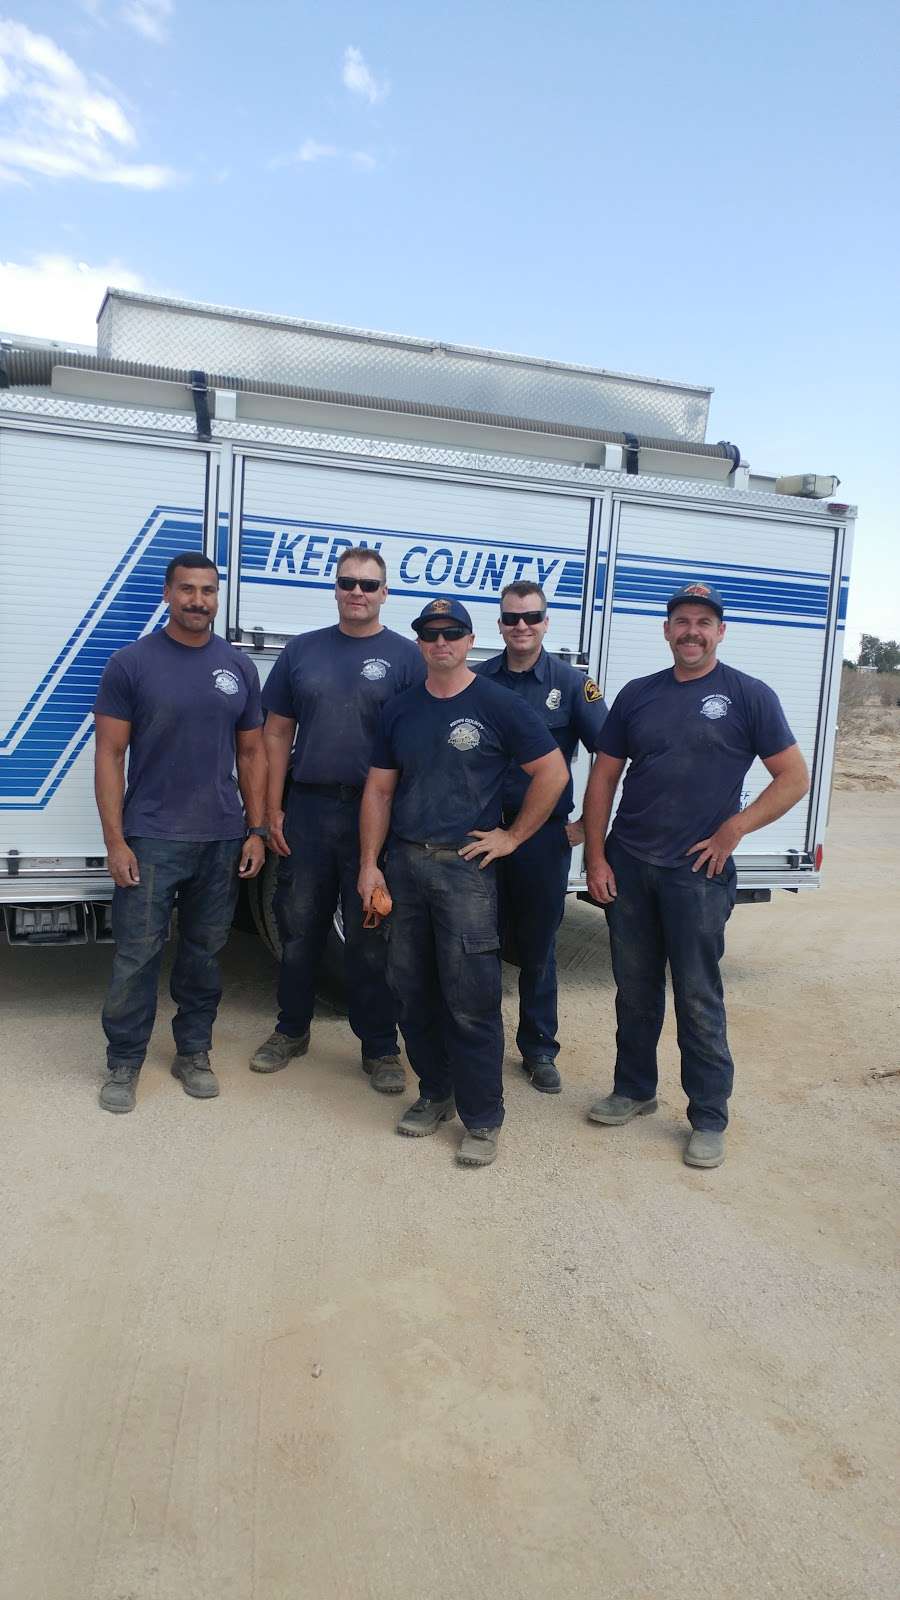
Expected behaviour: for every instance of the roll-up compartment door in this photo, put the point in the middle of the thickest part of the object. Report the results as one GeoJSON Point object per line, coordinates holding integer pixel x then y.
{"type": "Point", "coordinates": [87, 528]}
{"type": "Point", "coordinates": [776, 583]}
{"type": "Point", "coordinates": [436, 537]}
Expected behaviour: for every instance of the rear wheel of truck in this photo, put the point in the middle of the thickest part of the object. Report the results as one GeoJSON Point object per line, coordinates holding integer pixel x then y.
{"type": "Point", "coordinates": [331, 987]}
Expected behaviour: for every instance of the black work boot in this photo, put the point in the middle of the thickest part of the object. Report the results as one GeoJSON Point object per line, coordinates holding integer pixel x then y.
{"type": "Point", "coordinates": [120, 1089]}
{"type": "Point", "coordinates": [425, 1116]}
{"type": "Point", "coordinates": [385, 1073]}
{"type": "Point", "coordinates": [276, 1051]}
{"type": "Point", "coordinates": [196, 1074]}
{"type": "Point", "coordinates": [543, 1074]}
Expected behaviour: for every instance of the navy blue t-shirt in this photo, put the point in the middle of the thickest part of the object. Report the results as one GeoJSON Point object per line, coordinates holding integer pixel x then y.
{"type": "Point", "coordinates": [333, 685]}
{"type": "Point", "coordinates": [567, 702]}
{"type": "Point", "coordinates": [690, 746]}
{"type": "Point", "coordinates": [185, 704]}
{"type": "Point", "coordinates": [452, 757]}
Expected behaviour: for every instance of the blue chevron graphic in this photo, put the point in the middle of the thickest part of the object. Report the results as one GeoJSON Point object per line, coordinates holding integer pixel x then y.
{"type": "Point", "coordinates": [55, 725]}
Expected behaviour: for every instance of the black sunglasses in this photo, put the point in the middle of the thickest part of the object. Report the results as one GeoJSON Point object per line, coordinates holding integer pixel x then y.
{"type": "Point", "coordinates": [368, 585]}
{"type": "Point", "coordinates": [452, 633]}
{"type": "Point", "coordinates": [510, 618]}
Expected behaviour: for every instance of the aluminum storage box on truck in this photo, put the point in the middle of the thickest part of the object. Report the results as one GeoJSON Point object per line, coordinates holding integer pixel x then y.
{"type": "Point", "coordinates": [175, 436]}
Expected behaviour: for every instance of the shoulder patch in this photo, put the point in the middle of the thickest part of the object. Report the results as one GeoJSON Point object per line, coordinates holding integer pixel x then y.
{"type": "Point", "coordinates": [592, 690]}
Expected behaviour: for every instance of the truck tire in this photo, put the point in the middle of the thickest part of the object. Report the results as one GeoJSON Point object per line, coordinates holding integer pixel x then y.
{"type": "Point", "coordinates": [331, 987]}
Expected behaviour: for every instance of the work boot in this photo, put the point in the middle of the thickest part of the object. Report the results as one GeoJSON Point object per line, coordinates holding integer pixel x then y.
{"type": "Point", "coordinates": [120, 1089]}
{"type": "Point", "coordinates": [425, 1116]}
{"type": "Point", "coordinates": [386, 1073]}
{"type": "Point", "coordinates": [543, 1074]}
{"type": "Point", "coordinates": [277, 1051]}
{"type": "Point", "coordinates": [616, 1108]}
{"type": "Point", "coordinates": [478, 1147]}
{"type": "Point", "coordinates": [196, 1074]}
{"type": "Point", "coordinates": [705, 1148]}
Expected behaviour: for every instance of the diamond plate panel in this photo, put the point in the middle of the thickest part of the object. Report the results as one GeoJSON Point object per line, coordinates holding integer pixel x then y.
{"type": "Point", "coordinates": [287, 350]}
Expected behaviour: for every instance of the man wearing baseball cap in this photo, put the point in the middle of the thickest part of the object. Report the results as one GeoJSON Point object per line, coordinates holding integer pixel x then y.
{"type": "Point", "coordinates": [436, 784]}
{"type": "Point", "coordinates": [665, 873]}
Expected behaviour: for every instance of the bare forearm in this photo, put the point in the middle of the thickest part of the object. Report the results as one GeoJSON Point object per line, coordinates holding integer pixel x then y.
{"type": "Point", "coordinates": [251, 770]}
{"type": "Point", "coordinates": [374, 821]}
{"type": "Point", "coordinates": [278, 756]}
{"type": "Point", "coordinates": [598, 804]}
{"type": "Point", "coordinates": [109, 789]}
{"type": "Point", "coordinates": [541, 796]}
{"type": "Point", "coordinates": [777, 798]}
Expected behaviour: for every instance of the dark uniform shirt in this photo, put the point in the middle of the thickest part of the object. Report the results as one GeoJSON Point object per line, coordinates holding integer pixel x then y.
{"type": "Point", "coordinates": [690, 745]}
{"type": "Point", "coordinates": [333, 685]}
{"type": "Point", "coordinates": [452, 757]}
{"type": "Point", "coordinates": [567, 702]}
{"type": "Point", "coordinates": [185, 704]}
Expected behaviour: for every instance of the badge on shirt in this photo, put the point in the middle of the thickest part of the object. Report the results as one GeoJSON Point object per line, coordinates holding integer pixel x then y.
{"type": "Point", "coordinates": [553, 700]}
{"type": "Point", "coordinates": [464, 735]}
{"type": "Point", "coordinates": [592, 691]}
{"type": "Point", "coordinates": [374, 668]}
{"type": "Point", "coordinates": [714, 706]}
{"type": "Point", "coordinates": [225, 681]}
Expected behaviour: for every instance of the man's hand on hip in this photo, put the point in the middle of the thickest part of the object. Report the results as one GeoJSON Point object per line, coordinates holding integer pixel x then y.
{"type": "Point", "coordinates": [601, 881]}
{"type": "Point", "coordinates": [370, 879]}
{"type": "Point", "coordinates": [123, 866]}
{"type": "Point", "coordinates": [714, 852]}
{"type": "Point", "coordinates": [491, 844]}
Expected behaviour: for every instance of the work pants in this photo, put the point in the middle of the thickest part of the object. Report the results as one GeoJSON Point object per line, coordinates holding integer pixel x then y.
{"type": "Point", "coordinates": [322, 831]}
{"type": "Point", "coordinates": [533, 883]}
{"type": "Point", "coordinates": [444, 969]}
{"type": "Point", "coordinates": [671, 914]}
{"type": "Point", "coordinates": [200, 880]}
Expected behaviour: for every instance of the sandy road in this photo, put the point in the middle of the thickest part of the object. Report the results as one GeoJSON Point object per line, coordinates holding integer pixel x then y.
{"type": "Point", "coordinates": [586, 1371]}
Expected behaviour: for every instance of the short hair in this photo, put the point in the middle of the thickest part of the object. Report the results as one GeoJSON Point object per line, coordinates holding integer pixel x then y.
{"type": "Point", "coordinates": [360, 553]}
{"type": "Point", "coordinates": [521, 588]}
{"type": "Point", "coordinates": [190, 558]}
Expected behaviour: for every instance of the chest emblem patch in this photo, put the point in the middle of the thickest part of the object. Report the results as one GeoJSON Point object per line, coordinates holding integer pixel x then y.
{"type": "Point", "coordinates": [464, 735]}
{"type": "Point", "coordinates": [225, 681]}
{"type": "Point", "coordinates": [714, 706]}
{"type": "Point", "coordinates": [373, 670]}
{"type": "Point", "coordinates": [554, 700]}
{"type": "Point", "coordinates": [592, 691]}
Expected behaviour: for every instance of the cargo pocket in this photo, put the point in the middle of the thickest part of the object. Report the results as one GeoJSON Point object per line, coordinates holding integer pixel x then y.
{"type": "Point", "coordinates": [479, 985]}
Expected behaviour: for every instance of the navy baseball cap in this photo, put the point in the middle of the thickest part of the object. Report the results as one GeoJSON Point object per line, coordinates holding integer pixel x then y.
{"type": "Point", "coordinates": [442, 610]}
{"type": "Point", "coordinates": [698, 594]}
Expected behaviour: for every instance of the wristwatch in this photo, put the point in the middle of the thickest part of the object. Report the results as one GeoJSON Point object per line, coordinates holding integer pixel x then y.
{"type": "Point", "coordinates": [258, 833]}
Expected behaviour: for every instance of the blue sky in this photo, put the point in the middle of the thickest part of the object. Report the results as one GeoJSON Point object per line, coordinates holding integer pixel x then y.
{"type": "Point", "coordinates": [705, 192]}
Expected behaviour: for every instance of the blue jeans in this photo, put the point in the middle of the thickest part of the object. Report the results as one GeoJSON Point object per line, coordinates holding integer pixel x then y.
{"type": "Point", "coordinates": [323, 866]}
{"type": "Point", "coordinates": [201, 880]}
{"type": "Point", "coordinates": [533, 883]}
{"type": "Point", "coordinates": [444, 969]}
{"type": "Point", "coordinates": [671, 914]}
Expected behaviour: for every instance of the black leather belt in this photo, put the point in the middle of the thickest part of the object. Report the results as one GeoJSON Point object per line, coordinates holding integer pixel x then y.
{"type": "Point", "coordinates": [333, 791]}
{"type": "Point", "coordinates": [434, 846]}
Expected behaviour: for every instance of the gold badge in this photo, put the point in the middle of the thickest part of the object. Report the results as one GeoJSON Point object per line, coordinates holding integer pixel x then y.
{"type": "Point", "coordinates": [438, 608]}
{"type": "Point", "coordinates": [592, 691]}
{"type": "Point", "coordinates": [700, 589]}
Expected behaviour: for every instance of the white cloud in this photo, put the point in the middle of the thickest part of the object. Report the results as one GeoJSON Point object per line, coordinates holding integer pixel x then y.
{"type": "Point", "coordinates": [311, 150]}
{"type": "Point", "coordinates": [363, 160]}
{"type": "Point", "coordinates": [359, 78]}
{"type": "Point", "coordinates": [55, 122]}
{"type": "Point", "coordinates": [149, 17]}
{"type": "Point", "coordinates": [57, 297]}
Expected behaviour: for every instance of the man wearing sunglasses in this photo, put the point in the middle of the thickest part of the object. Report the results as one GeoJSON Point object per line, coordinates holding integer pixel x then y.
{"type": "Point", "coordinates": [533, 881]}
{"type": "Point", "coordinates": [436, 781]}
{"type": "Point", "coordinates": [322, 700]}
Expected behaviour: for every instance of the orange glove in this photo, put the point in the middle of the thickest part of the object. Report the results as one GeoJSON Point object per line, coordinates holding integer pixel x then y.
{"type": "Point", "coordinates": [380, 906]}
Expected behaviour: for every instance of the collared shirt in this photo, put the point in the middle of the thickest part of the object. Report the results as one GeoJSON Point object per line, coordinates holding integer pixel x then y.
{"type": "Point", "coordinates": [570, 705]}
{"type": "Point", "coordinates": [689, 745]}
{"type": "Point", "coordinates": [334, 685]}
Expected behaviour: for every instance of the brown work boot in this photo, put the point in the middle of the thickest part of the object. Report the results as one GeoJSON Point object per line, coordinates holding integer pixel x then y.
{"type": "Point", "coordinates": [277, 1051]}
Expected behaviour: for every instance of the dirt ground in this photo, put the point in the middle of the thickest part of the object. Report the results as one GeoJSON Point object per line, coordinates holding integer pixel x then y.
{"type": "Point", "coordinates": [260, 1348]}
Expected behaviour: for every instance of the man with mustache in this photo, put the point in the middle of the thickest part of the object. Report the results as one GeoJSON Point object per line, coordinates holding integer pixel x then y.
{"type": "Point", "coordinates": [665, 874]}
{"type": "Point", "coordinates": [185, 706]}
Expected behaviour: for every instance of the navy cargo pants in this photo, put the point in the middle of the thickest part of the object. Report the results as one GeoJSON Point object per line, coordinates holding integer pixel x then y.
{"type": "Point", "coordinates": [674, 914]}
{"type": "Point", "coordinates": [200, 879]}
{"type": "Point", "coordinates": [322, 831]}
{"type": "Point", "coordinates": [533, 883]}
{"type": "Point", "coordinates": [444, 969]}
